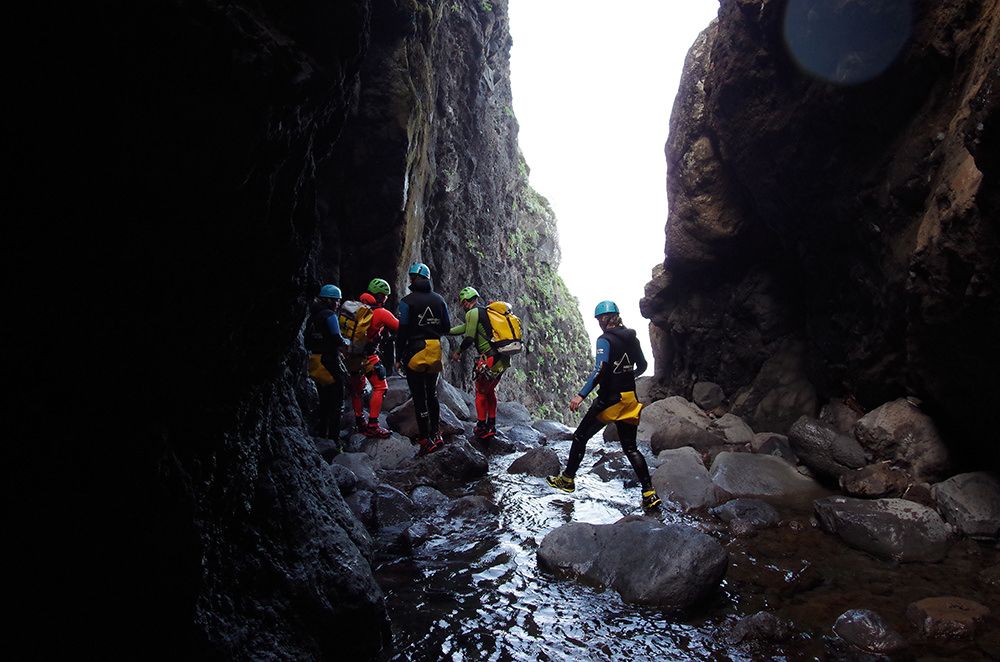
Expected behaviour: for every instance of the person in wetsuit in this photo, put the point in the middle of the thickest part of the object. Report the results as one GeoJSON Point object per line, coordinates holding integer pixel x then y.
{"type": "Point", "coordinates": [371, 366]}
{"type": "Point", "coordinates": [423, 319]}
{"type": "Point", "coordinates": [489, 366]}
{"type": "Point", "coordinates": [619, 361]}
{"type": "Point", "coordinates": [326, 368]}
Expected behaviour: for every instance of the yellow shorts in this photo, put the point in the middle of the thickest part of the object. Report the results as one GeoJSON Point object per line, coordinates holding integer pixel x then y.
{"type": "Point", "coordinates": [626, 410]}
{"type": "Point", "coordinates": [318, 371]}
{"type": "Point", "coordinates": [427, 359]}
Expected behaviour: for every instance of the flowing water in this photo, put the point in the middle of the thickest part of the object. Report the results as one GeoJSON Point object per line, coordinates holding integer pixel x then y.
{"type": "Point", "coordinates": [473, 590]}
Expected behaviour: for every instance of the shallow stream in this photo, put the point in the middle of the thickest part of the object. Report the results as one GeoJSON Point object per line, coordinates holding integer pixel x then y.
{"type": "Point", "coordinates": [474, 591]}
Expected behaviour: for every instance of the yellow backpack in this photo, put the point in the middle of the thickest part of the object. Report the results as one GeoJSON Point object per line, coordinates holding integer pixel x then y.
{"type": "Point", "coordinates": [504, 328]}
{"type": "Point", "coordinates": [355, 318]}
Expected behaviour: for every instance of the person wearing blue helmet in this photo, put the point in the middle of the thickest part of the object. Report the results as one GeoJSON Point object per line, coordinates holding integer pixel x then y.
{"type": "Point", "coordinates": [619, 361]}
{"type": "Point", "coordinates": [423, 319]}
{"type": "Point", "coordinates": [326, 367]}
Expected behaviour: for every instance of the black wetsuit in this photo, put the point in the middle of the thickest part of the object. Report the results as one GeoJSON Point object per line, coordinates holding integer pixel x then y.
{"type": "Point", "coordinates": [323, 338]}
{"type": "Point", "coordinates": [618, 350]}
{"type": "Point", "coordinates": [423, 319]}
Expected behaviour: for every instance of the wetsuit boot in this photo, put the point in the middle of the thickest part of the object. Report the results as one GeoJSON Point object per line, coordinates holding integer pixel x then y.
{"type": "Point", "coordinates": [491, 427]}
{"type": "Point", "coordinates": [481, 430]}
{"type": "Point", "coordinates": [649, 498]}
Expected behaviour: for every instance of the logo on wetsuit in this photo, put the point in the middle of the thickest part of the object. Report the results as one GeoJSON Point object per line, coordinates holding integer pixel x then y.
{"type": "Point", "coordinates": [623, 365]}
{"type": "Point", "coordinates": [427, 318]}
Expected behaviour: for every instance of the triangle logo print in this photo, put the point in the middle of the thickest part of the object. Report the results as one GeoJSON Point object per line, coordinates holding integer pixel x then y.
{"type": "Point", "coordinates": [623, 365]}
{"type": "Point", "coordinates": [427, 318]}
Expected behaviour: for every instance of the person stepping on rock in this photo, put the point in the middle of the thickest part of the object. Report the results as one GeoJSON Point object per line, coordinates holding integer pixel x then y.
{"type": "Point", "coordinates": [490, 365]}
{"type": "Point", "coordinates": [619, 361]}
{"type": "Point", "coordinates": [423, 319]}
{"type": "Point", "coordinates": [367, 363]}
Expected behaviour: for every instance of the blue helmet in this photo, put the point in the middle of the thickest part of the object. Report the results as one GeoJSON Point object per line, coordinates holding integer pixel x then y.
{"type": "Point", "coordinates": [420, 269]}
{"type": "Point", "coordinates": [605, 307]}
{"type": "Point", "coordinates": [330, 292]}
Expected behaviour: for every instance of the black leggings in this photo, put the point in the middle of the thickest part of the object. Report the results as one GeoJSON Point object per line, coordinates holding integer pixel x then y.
{"type": "Point", "coordinates": [423, 388]}
{"type": "Point", "coordinates": [626, 432]}
{"type": "Point", "coordinates": [331, 401]}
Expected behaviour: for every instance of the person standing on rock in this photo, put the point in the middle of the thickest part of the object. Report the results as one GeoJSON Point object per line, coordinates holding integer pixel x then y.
{"type": "Point", "coordinates": [369, 364]}
{"type": "Point", "coordinates": [619, 361]}
{"type": "Point", "coordinates": [326, 368]}
{"type": "Point", "coordinates": [489, 366]}
{"type": "Point", "coordinates": [423, 319]}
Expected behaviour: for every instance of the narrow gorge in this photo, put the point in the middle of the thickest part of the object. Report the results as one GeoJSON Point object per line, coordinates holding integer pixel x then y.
{"type": "Point", "coordinates": [185, 175]}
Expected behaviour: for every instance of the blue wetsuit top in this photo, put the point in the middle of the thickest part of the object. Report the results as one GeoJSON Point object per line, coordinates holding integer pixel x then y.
{"type": "Point", "coordinates": [603, 350]}
{"type": "Point", "coordinates": [619, 360]}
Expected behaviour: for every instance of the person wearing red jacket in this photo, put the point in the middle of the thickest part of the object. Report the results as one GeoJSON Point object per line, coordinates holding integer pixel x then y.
{"type": "Point", "coordinates": [371, 368]}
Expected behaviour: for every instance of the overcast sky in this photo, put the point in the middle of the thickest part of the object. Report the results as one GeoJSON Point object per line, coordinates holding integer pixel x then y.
{"type": "Point", "coordinates": [593, 85]}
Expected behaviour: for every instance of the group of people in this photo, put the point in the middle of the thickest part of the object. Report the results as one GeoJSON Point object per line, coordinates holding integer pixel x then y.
{"type": "Point", "coordinates": [423, 319]}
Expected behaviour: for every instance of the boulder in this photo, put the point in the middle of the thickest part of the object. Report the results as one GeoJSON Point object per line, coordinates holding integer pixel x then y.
{"type": "Point", "coordinates": [512, 413]}
{"type": "Point", "coordinates": [867, 631]}
{"type": "Point", "coordinates": [397, 393]}
{"type": "Point", "coordinates": [471, 507]}
{"type": "Point", "coordinates": [346, 481]}
{"type": "Point", "coordinates": [891, 529]}
{"type": "Point", "coordinates": [553, 430]}
{"type": "Point", "coordinates": [612, 465]}
{"type": "Point", "coordinates": [643, 390]}
{"type": "Point", "coordinates": [646, 561]}
{"type": "Point", "coordinates": [498, 444]}
{"type": "Point", "coordinates": [677, 432]}
{"type": "Point", "coordinates": [772, 443]}
{"type": "Point", "coordinates": [902, 434]}
{"type": "Point", "coordinates": [360, 464]}
{"type": "Point", "coordinates": [762, 626]}
{"type": "Point", "coordinates": [391, 452]}
{"type": "Point", "coordinates": [393, 507]}
{"type": "Point", "coordinates": [523, 436]}
{"type": "Point", "coordinates": [540, 462]}
{"type": "Point", "coordinates": [355, 442]}
{"type": "Point", "coordinates": [707, 395]}
{"type": "Point", "coordinates": [675, 405]}
{"type": "Point", "coordinates": [403, 419]}
{"type": "Point", "coordinates": [682, 479]}
{"type": "Point", "coordinates": [990, 577]}
{"type": "Point", "coordinates": [452, 397]}
{"type": "Point", "coordinates": [823, 449]}
{"type": "Point", "coordinates": [327, 448]}
{"type": "Point", "coordinates": [946, 617]}
{"type": "Point", "coordinates": [920, 493]}
{"type": "Point", "coordinates": [427, 498]}
{"type": "Point", "coordinates": [362, 504]}
{"type": "Point", "coordinates": [971, 502]}
{"type": "Point", "coordinates": [732, 428]}
{"type": "Point", "coordinates": [749, 475]}
{"type": "Point", "coordinates": [780, 393]}
{"type": "Point", "coordinates": [755, 512]}
{"type": "Point", "coordinates": [875, 480]}
{"type": "Point", "coordinates": [457, 462]}
{"type": "Point", "coordinates": [839, 416]}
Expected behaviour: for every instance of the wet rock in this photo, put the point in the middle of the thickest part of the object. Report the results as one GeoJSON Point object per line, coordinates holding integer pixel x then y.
{"type": "Point", "coordinates": [393, 507]}
{"type": "Point", "coordinates": [867, 631]}
{"type": "Point", "coordinates": [397, 393]}
{"type": "Point", "coordinates": [346, 481]}
{"type": "Point", "coordinates": [772, 443]}
{"type": "Point", "coordinates": [427, 498]}
{"type": "Point", "coordinates": [458, 461]}
{"type": "Point", "coordinates": [971, 502]}
{"type": "Point", "coordinates": [902, 434]}
{"type": "Point", "coordinates": [615, 464]}
{"type": "Point", "coordinates": [780, 393]}
{"type": "Point", "coordinates": [762, 626]}
{"type": "Point", "coordinates": [875, 480]}
{"type": "Point", "coordinates": [823, 449]}
{"type": "Point", "coordinates": [707, 395]}
{"type": "Point", "coordinates": [732, 428]}
{"type": "Point", "coordinates": [749, 475]}
{"type": "Point", "coordinates": [892, 529]}
{"type": "Point", "coordinates": [355, 442]}
{"type": "Point", "coordinates": [682, 479]}
{"type": "Point", "coordinates": [327, 448]}
{"type": "Point", "coordinates": [919, 493]}
{"type": "Point", "coordinates": [677, 432]}
{"type": "Point", "coordinates": [643, 388]}
{"type": "Point", "coordinates": [512, 413]}
{"type": "Point", "coordinates": [536, 462]}
{"type": "Point", "coordinates": [716, 451]}
{"type": "Point", "coordinates": [524, 436]}
{"type": "Point", "coordinates": [471, 507]}
{"type": "Point", "coordinates": [628, 556]}
{"type": "Point", "coordinates": [360, 464]}
{"type": "Point", "coordinates": [452, 397]}
{"type": "Point", "coordinates": [391, 452]}
{"type": "Point", "coordinates": [403, 419]}
{"type": "Point", "coordinates": [675, 405]}
{"type": "Point", "coordinates": [362, 504]}
{"type": "Point", "coordinates": [553, 430]}
{"type": "Point", "coordinates": [755, 512]}
{"type": "Point", "coordinates": [498, 444]}
{"type": "Point", "coordinates": [839, 416]}
{"type": "Point", "coordinates": [946, 617]}
{"type": "Point", "coordinates": [990, 576]}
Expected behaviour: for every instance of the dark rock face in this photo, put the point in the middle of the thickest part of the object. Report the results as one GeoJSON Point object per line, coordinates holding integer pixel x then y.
{"type": "Point", "coordinates": [848, 228]}
{"type": "Point", "coordinates": [823, 449]}
{"type": "Point", "coordinates": [867, 631]}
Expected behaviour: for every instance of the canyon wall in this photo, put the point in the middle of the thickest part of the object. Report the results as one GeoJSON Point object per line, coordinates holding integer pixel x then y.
{"type": "Point", "coordinates": [832, 228]}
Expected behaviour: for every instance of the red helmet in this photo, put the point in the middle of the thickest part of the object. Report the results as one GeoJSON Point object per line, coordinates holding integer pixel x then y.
{"type": "Point", "coordinates": [367, 299]}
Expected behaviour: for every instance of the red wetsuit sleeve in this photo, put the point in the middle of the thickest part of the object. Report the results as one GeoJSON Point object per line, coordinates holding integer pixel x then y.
{"type": "Point", "coordinates": [382, 318]}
